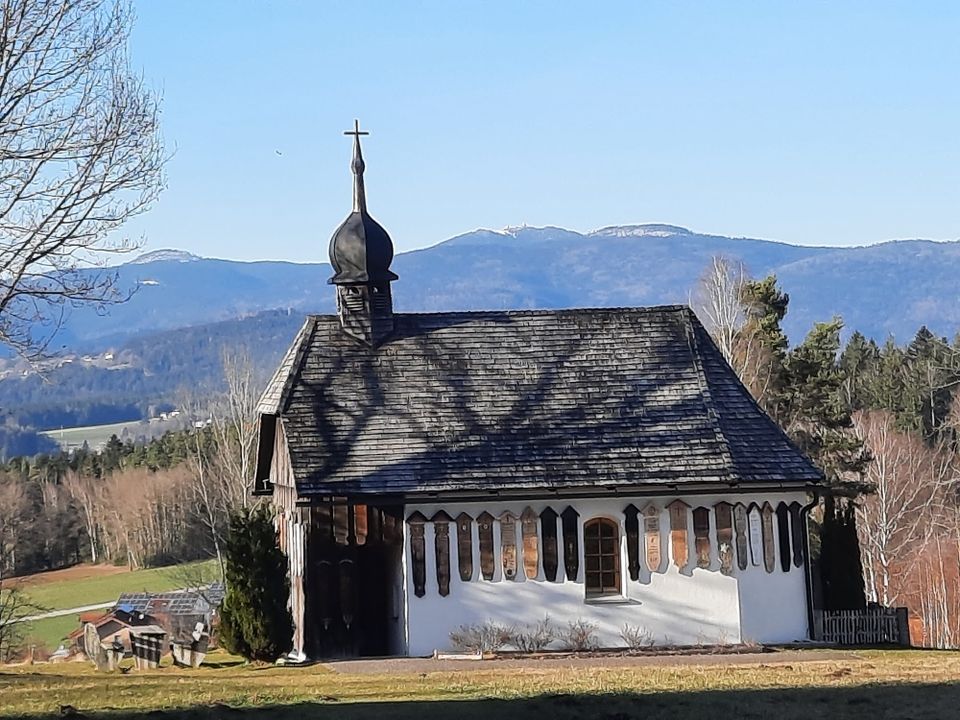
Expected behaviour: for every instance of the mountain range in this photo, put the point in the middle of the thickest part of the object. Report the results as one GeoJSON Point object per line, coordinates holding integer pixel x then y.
{"type": "Point", "coordinates": [890, 288]}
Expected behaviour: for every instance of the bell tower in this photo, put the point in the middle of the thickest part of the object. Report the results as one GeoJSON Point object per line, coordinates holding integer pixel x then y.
{"type": "Point", "coordinates": [361, 252]}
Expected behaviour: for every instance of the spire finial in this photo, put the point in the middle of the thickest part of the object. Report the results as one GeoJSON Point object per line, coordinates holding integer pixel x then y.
{"type": "Point", "coordinates": [359, 193]}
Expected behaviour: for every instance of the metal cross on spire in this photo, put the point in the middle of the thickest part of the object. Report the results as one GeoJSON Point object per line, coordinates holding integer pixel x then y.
{"type": "Point", "coordinates": [358, 166]}
{"type": "Point", "coordinates": [356, 132]}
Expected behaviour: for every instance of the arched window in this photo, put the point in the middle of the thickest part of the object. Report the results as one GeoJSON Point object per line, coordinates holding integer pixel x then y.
{"type": "Point", "coordinates": [601, 553]}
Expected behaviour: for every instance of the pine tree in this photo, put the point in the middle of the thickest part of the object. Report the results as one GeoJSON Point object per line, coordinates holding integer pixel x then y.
{"type": "Point", "coordinates": [814, 412]}
{"type": "Point", "coordinates": [762, 345]}
{"type": "Point", "coordinates": [255, 621]}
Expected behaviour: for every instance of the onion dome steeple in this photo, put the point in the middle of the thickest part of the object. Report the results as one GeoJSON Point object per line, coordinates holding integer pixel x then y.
{"type": "Point", "coordinates": [361, 252]}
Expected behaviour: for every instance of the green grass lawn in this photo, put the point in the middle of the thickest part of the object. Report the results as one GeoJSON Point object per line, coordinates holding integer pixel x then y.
{"type": "Point", "coordinates": [892, 685]}
{"type": "Point", "coordinates": [90, 591]}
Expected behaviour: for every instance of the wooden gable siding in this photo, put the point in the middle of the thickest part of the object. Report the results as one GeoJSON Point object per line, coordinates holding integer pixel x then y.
{"type": "Point", "coordinates": [281, 471]}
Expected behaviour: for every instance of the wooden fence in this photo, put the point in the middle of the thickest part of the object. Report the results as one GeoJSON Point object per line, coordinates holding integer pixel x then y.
{"type": "Point", "coordinates": [873, 626]}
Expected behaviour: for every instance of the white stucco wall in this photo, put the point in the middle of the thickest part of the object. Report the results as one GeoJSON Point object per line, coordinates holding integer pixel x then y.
{"type": "Point", "coordinates": [688, 606]}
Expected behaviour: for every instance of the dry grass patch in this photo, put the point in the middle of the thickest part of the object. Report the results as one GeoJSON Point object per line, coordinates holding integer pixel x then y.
{"type": "Point", "coordinates": [887, 684]}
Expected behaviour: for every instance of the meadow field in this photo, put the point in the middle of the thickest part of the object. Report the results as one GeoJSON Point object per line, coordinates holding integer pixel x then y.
{"type": "Point", "coordinates": [887, 684]}
{"type": "Point", "coordinates": [95, 436]}
{"type": "Point", "coordinates": [84, 585]}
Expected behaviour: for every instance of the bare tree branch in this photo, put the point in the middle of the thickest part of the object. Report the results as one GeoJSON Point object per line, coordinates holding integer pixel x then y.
{"type": "Point", "coordinates": [80, 154]}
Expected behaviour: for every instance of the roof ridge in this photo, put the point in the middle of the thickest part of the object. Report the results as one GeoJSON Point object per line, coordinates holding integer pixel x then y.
{"type": "Point", "coordinates": [531, 311]}
{"type": "Point", "coordinates": [696, 351]}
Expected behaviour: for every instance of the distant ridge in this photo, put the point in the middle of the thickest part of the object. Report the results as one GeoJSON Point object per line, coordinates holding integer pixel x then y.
{"type": "Point", "coordinates": [164, 255]}
{"type": "Point", "coordinates": [889, 288]}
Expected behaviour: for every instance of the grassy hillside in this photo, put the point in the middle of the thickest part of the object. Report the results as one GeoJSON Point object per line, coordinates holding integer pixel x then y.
{"type": "Point", "coordinates": [893, 685]}
{"type": "Point", "coordinates": [65, 592]}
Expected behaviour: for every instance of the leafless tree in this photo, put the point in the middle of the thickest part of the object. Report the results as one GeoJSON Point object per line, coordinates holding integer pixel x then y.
{"type": "Point", "coordinates": [12, 508]}
{"type": "Point", "coordinates": [15, 605]}
{"type": "Point", "coordinates": [718, 302]}
{"type": "Point", "coordinates": [80, 154]}
{"type": "Point", "coordinates": [903, 513]}
{"type": "Point", "coordinates": [234, 426]}
{"type": "Point", "coordinates": [86, 492]}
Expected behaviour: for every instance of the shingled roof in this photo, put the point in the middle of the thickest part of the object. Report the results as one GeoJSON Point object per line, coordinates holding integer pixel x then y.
{"type": "Point", "coordinates": [524, 401]}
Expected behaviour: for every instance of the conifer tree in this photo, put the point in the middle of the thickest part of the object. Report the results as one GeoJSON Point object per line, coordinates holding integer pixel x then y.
{"type": "Point", "coordinates": [814, 413]}
{"type": "Point", "coordinates": [255, 621]}
{"type": "Point", "coordinates": [762, 344]}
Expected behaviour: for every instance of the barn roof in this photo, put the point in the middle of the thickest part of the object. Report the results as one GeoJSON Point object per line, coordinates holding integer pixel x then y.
{"type": "Point", "coordinates": [538, 400]}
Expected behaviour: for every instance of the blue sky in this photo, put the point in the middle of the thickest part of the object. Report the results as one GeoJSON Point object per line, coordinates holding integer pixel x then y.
{"type": "Point", "coordinates": [812, 123]}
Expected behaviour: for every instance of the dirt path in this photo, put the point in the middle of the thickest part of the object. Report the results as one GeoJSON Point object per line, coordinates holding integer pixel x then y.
{"type": "Point", "coordinates": [77, 572]}
{"type": "Point", "coordinates": [406, 666]}
{"type": "Point", "coordinates": [68, 611]}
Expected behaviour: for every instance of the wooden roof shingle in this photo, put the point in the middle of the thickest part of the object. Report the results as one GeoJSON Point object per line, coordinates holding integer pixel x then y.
{"type": "Point", "coordinates": [523, 401]}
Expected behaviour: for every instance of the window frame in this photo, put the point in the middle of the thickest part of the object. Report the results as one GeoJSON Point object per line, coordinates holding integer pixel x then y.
{"type": "Point", "coordinates": [593, 548]}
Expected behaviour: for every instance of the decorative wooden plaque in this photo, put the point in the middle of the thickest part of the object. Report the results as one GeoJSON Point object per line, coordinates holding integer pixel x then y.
{"type": "Point", "coordinates": [783, 535]}
{"type": "Point", "coordinates": [723, 511]}
{"type": "Point", "coordinates": [341, 523]}
{"type": "Point", "coordinates": [360, 524]}
{"type": "Point", "coordinates": [548, 531]}
{"type": "Point", "coordinates": [321, 516]}
{"type": "Point", "coordinates": [528, 531]}
{"type": "Point", "coordinates": [651, 535]}
{"type": "Point", "coordinates": [324, 585]}
{"type": "Point", "coordinates": [756, 535]}
{"type": "Point", "coordinates": [631, 523]}
{"type": "Point", "coordinates": [571, 543]}
{"type": "Point", "coordinates": [465, 546]}
{"type": "Point", "coordinates": [485, 528]}
{"type": "Point", "coordinates": [678, 533]}
{"type": "Point", "coordinates": [441, 547]}
{"type": "Point", "coordinates": [701, 536]}
{"type": "Point", "coordinates": [508, 545]}
{"type": "Point", "coordinates": [418, 553]}
{"type": "Point", "coordinates": [796, 533]}
{"type": "Point", "coordinates": [769, 553]}
{"type": "Point", "coordinates": [348, 590]}
{"type": "Point", "coordinates": [741, 526]}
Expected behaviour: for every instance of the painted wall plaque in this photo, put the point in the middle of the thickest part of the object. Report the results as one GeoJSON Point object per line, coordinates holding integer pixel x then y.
{"type": "Point", "coordinates": [485, 532]}
{"type": "Point", "coordinates": [631, 523]}
{"type": "Point", "coordinates": [769, 546]}
{"type": "Point", "coordinates": [741, 528]}
{"type": "Point", "coordinates": [755, 534]}
{"type": "Point", "coordinates": [548, 531]}
{"type": "Point", "coordinates": [797, 533]}
{"type": "Point", "coordinates": [508, 545]}
{"type": "Point", "coordinates": [465, 546]}
{"type": "Point", "coordinates": [324, 585]}
{"type": "Point", "coordinates": [678, 533]}
{"type": "Point", "coordinates": [701, 536]}
{"type": "Point", "coordinates": [360, 524]}
{"type": "Point", "coordinates": [418, 556]}
{"type": "Point", "coordinates": [783, 535]}
{"type": "Point", "coordinates": [348, 591]}
{"type": "Point", "coordinates": [769, 553]}
{"type": "Point", "coordinates": [341, 523]}
{"type": "Point", "coordinates": [723, 511]}
{"type": "Point", "coordinates": [571, 542]}
{"type": "Point", "coordinates": [322, 519]}
{"type": "Point", "coordinates": [651, 537]}
{"type": "Point", "coordinates": [441, 544]}
{"type": "Point", "coordinates": [531, 553]}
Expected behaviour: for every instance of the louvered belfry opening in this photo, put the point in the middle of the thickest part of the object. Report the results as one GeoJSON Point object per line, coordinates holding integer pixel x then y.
{"type": "Point", "coordinates": [353, 577]}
